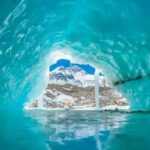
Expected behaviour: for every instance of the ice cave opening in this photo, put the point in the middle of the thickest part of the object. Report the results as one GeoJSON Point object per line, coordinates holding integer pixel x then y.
{"type": "Point", "coordinates": [77, 85]}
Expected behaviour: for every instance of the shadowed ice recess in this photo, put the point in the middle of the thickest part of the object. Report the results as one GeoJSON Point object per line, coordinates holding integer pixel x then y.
{"type": "Point", "coordinates": [111, 34]}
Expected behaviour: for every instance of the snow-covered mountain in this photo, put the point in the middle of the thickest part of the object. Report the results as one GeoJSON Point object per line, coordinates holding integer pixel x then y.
{"type": "Point", "coordinates": [73, 75]}
{"type": "Point", "coordinates": [73, 87]}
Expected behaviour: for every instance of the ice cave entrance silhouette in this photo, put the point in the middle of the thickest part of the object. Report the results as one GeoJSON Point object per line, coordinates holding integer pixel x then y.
{"type": "Point", "coordinates": [73, 85]}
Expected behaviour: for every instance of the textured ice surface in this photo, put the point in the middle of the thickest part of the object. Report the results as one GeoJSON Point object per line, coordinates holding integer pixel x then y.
{"type": "Point", "coordinates": [113, 35]}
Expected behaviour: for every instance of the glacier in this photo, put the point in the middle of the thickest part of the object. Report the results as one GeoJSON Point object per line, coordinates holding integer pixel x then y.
{"type": "Point", "coordinates": [110, 34]}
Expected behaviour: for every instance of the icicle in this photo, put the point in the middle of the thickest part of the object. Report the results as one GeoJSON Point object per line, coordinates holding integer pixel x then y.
{"type": "Point", "coordinates": [97, 89]}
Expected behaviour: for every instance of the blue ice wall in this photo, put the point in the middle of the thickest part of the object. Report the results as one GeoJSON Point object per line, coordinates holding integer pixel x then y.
{"type": "Point", "coordinates": [113, 34]}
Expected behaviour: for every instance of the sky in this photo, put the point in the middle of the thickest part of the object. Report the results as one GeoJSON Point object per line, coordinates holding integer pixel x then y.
{"type": "Point", "coordinates": [66, 63]}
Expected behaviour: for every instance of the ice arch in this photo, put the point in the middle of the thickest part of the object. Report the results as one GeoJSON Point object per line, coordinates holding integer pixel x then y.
{"type": "Point", "coordinates": [113, 34]}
